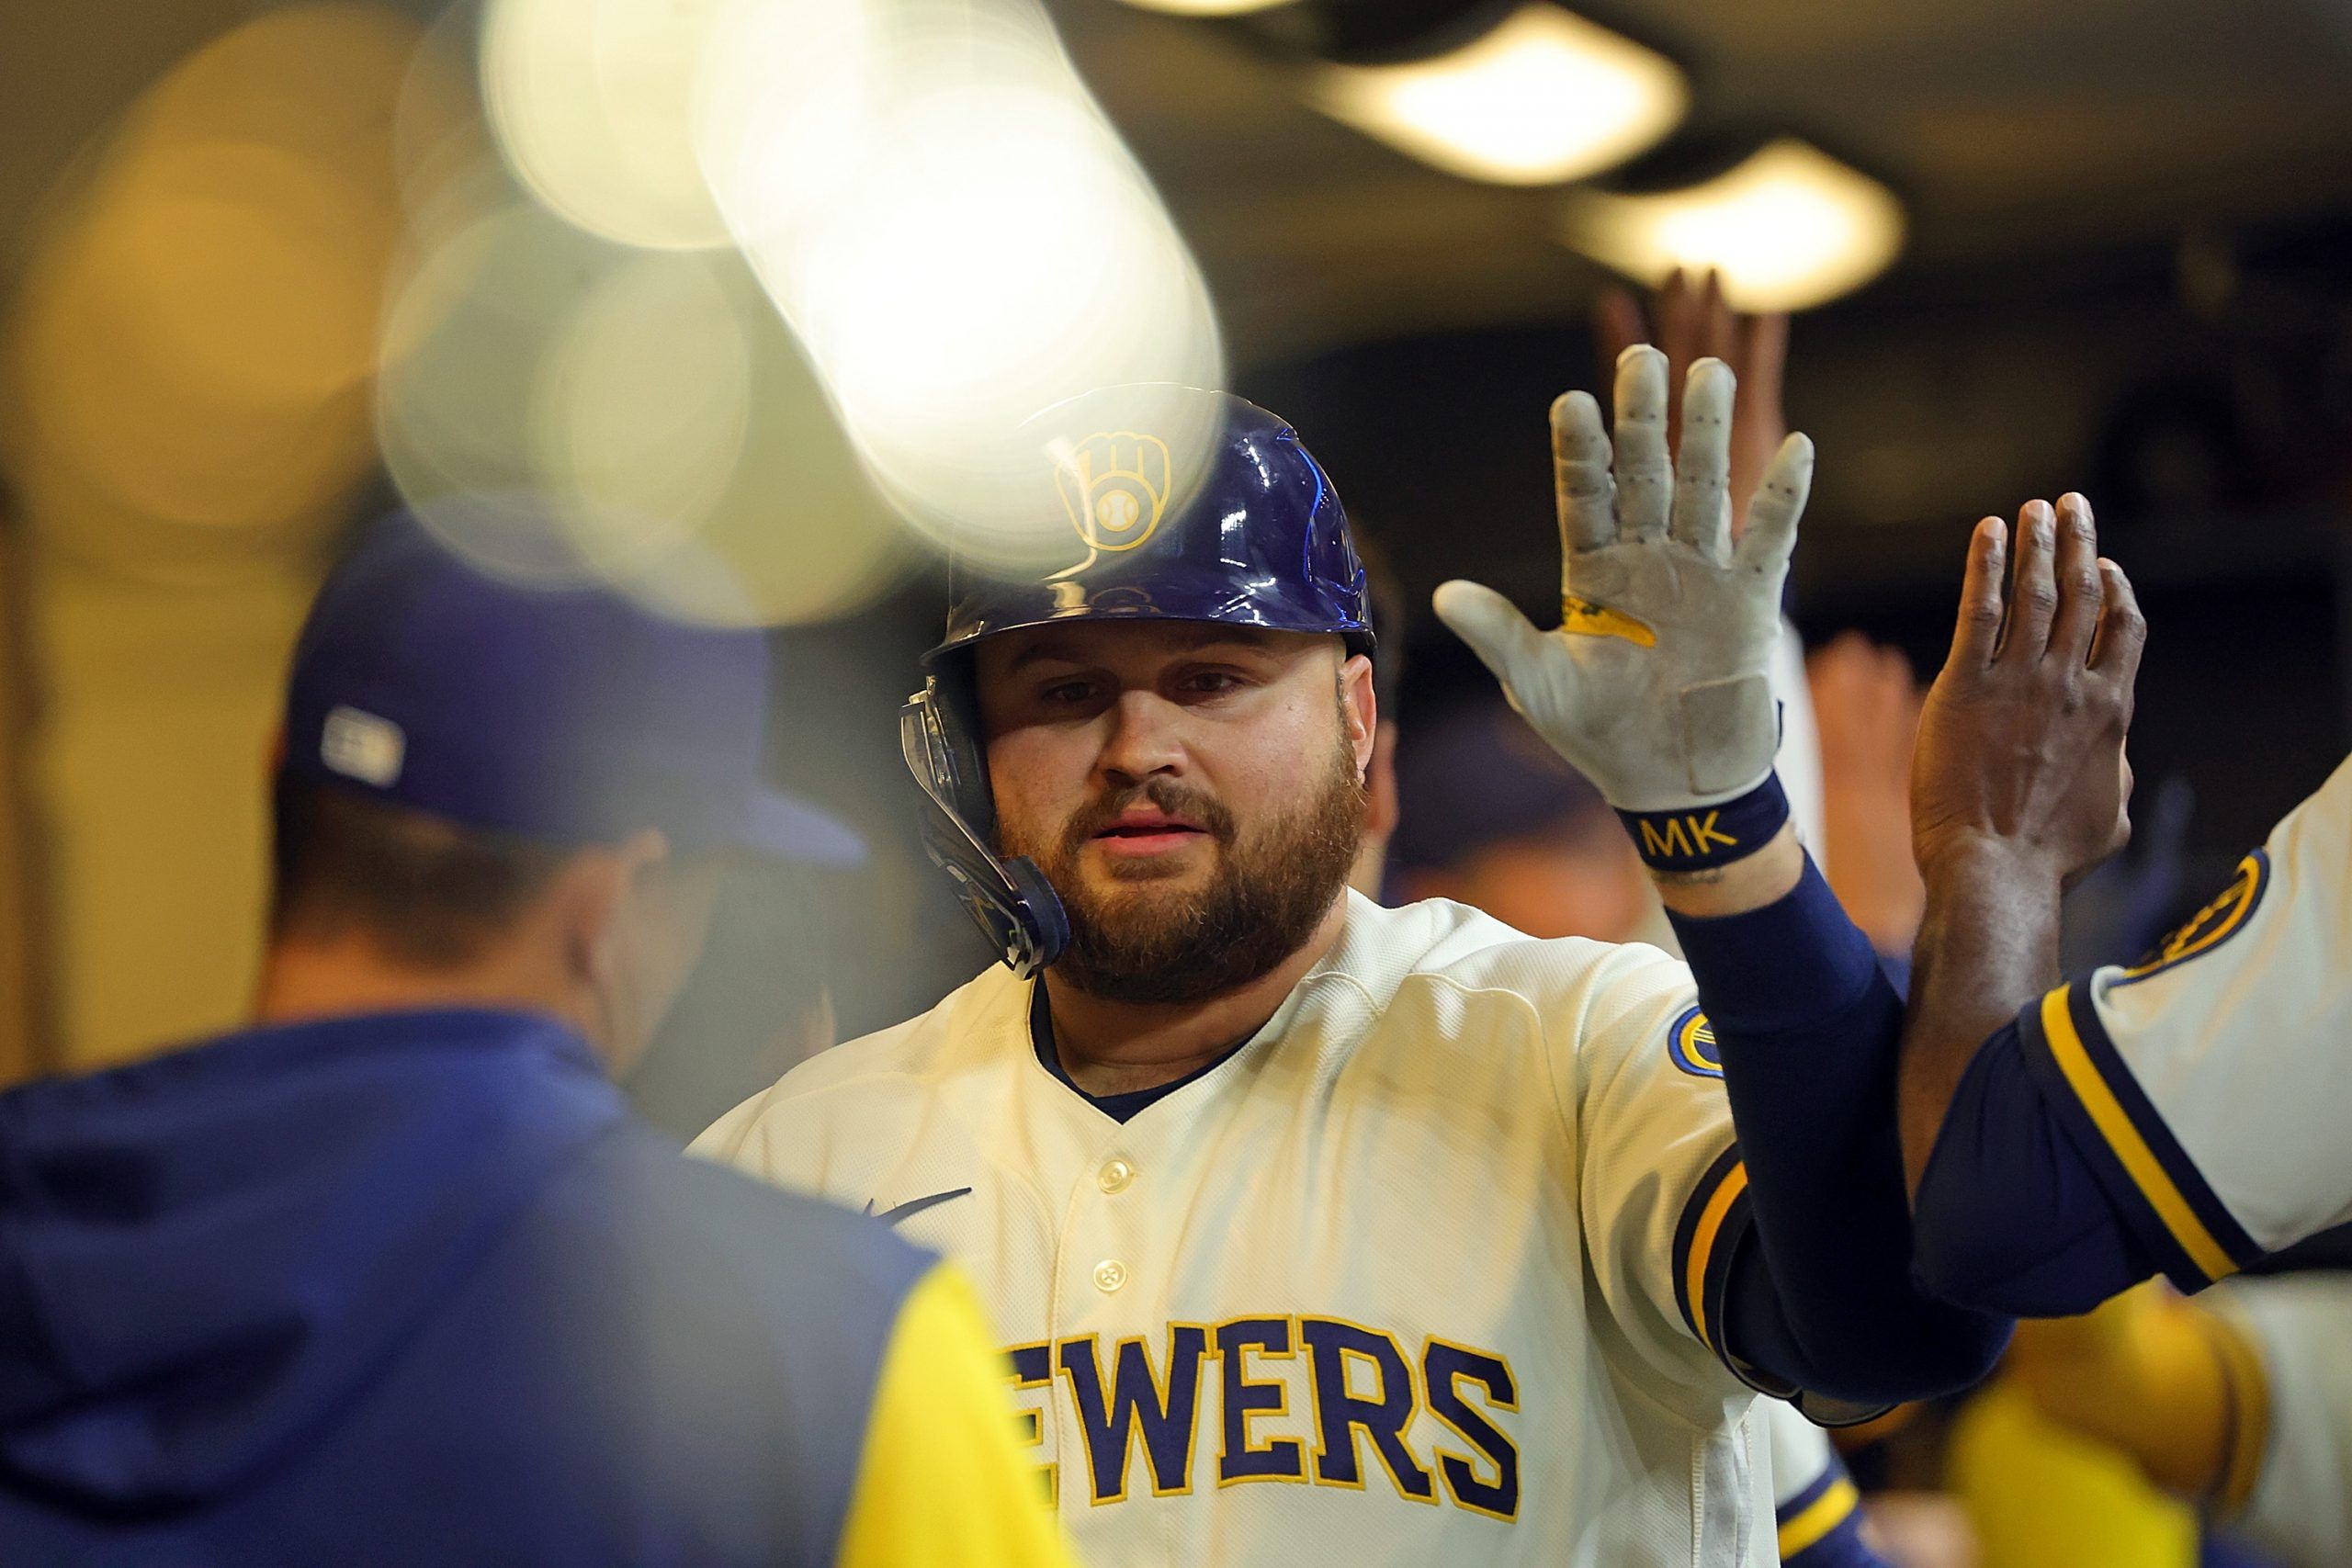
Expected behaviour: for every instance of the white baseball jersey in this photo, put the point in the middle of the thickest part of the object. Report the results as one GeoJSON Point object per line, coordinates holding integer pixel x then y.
{"type": "Point", "coordinates": [2289, 1486]}
{"type": "Point", "coordinates": [1426, 1273]}
{"type": "Point", "coordinates": [2207, 1082]}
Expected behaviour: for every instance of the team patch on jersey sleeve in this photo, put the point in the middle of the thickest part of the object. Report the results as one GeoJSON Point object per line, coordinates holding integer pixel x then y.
{"type": "Point", "coordinates": [1713, 1221]}
{"type": "Point", "coordinates": [2210, 926]}
{"type": "Point", "coordinates": [1691, 1045]}
{"type": "Point", "coordinates": [2148, 1176]}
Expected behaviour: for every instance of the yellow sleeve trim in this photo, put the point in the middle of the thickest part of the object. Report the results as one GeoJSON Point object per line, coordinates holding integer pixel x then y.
{"type": "Point", "coordinates": [2115, 1126]}
{"type": "Point", "coordinates": [1702, 1243]}
{"type": "Point", "coordinates": [1821, 1515]}
{"type": "Point", "coordinates": [941, 1484]}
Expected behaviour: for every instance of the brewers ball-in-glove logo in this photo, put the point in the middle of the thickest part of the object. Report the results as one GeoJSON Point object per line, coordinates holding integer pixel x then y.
{"type": "Point", "coordinates": [1115, 487]}
{"type": "Point", "coordinates": [2214, 924]}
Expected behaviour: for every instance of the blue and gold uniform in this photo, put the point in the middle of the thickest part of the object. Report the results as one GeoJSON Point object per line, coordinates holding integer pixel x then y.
{"type": "Point", "coordinates": [413, 1288]}
{"type": "Point", "coordinates": [1403, 1278]}
{"type": "Point", "coordinates": [2182, 1114]}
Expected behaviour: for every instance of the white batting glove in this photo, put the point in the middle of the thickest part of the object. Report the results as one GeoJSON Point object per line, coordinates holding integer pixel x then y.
{"type": "Point", "coordinates": [1654, 685]}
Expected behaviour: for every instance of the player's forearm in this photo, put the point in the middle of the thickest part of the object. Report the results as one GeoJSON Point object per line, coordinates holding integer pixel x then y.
{"type": "Point", "coordinates": [1765, 877]}
{"type": "Point", "coordinates": [1987, 945]}
{"type": "Point", "coordinates": [1807, 1029]}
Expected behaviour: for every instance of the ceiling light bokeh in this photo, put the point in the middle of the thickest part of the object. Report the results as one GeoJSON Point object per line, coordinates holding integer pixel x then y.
{"type": "Point", "coordinates": [195, 335]}
{"type": "Point", "coordinates": [974, 245]}
{"type": "Point", "coordinates": [566, 410]}
{"type": "Point", "coordinates": [1208, 7]}
{"type": "Point", "coordinates": [1541, 97]}
{"type": "Point", "coordinates": [1789, 227]}
{"type": "Point", "coordinates": [594, 104]}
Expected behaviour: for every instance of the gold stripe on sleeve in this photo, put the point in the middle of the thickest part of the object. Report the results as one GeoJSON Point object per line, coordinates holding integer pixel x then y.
{"type": "Point", "coordinates": [1702, 1243]}
{"type": "Point", "coordinates": [1821, 1515]}
{"type": "Point", "coordinates": [2115, 1126]}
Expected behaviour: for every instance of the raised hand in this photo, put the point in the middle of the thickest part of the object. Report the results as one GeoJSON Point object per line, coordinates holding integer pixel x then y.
{"type": "Point", "coordinates": [1692, 321]}
{"type": "Point", "coordinates": [1654, 684]}
{"type": "Point", "coordinates": [2021, 743]}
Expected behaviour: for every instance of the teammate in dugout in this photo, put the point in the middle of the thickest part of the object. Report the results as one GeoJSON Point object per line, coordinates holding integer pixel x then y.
{"type": "Point", "coordinates": [1327, 1232]}
{"type": "Point", "coordinates": [391, 1276]}
{"type": "Point", "coordinates": [2069, 1136]}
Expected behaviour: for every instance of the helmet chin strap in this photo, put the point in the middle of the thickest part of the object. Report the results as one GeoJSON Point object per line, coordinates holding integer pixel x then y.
{"type": "Point", "coordinates": [1009, 900]}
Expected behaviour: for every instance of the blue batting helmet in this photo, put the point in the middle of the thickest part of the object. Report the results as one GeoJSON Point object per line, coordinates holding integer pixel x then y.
{"type": "Point", "coordinates": [1182, 504]}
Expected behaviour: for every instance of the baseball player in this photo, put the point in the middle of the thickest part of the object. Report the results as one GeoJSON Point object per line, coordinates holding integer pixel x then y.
{"type": "Point", "coordinates": [2180, 1114]}
{"type": "Point", "coordinates": [392, 1277]}
{"type": "Point", "coordinates": [1323, 1232]}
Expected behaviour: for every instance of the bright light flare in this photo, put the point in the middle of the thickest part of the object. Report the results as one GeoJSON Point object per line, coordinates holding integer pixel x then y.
{"type": "Point", "coordinates": [566, 411]}
{"type": "Point", "coordinates": [1542, 97]}
{"type": "Point", "coordinates": [790, 93]}
{"type": "Point", "coordinates": [979, 247]}
{"type": "Point", "coordinates": [594, 104]}
{"type": "Point", "coordinates": [942, 215]}
{"type": "Point", "coordinates": [1789, 228]}
{"type": "Point", "coordinates": [640, 405]}
{"type": "Point", "coordinates": [1208, 7]}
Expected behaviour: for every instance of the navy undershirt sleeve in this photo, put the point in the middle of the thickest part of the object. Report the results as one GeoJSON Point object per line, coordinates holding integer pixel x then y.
{"type": "Point", "coordinates": [2010, 1218]}
{"type": "Point", "coordinates": [1808, 1028]}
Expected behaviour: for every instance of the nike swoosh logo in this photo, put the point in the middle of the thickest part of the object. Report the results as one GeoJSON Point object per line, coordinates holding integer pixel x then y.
{"type": "Point", "coordinates": [907, 1210]}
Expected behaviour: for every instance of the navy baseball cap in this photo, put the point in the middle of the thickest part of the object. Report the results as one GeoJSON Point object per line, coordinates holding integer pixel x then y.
{"type": "Point", "coordinates": [1477, 777]}
{"type": "Point", "coordinates": [568, 715]}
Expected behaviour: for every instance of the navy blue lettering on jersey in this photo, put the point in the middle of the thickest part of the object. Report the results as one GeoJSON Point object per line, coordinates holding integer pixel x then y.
{"type": "Point", "coordinates": [1304, 1400]}
{"type": "Point", "coordinates": [1136, 1403]}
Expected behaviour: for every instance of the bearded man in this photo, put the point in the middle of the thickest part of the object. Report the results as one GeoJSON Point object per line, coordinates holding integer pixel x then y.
{"type": "Point", "coordinates": [1325, 1232]}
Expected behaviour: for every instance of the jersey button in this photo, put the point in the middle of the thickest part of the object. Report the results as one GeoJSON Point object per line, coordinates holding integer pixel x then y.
{"type": "Point", "coordinates": [1108, 1275]}
{"type": "Point", "coordinates": [1114, 1176]}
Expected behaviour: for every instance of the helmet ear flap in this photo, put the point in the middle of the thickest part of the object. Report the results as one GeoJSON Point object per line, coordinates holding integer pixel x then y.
{"type": "Point", "coordinates": [964, 766]}
{"type": "Point", "coordinates": [1009, 900]}
{"type": "Point", "coordinates": [1041, 929]}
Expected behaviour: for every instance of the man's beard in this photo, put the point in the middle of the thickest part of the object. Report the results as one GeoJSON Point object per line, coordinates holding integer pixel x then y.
{"type": "Point", "coordinates": [1268, 893]}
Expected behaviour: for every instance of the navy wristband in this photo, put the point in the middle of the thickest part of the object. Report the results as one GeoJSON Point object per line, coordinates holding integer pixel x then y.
{"type": "Point", "coordinates": [1700, 838]}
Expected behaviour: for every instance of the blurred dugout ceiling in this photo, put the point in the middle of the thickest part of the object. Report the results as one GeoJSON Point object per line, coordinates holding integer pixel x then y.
{"type": "Point", "coordinates": [2005, 125]}
{"type": "Point", "coordinates": [2076, 177]}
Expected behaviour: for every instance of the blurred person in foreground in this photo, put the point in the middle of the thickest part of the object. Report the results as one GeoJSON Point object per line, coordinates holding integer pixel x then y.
{"type": "Point", "coordinates": [2238, 1401]}
{"type": "Point", "coordinates": [760, 1002]}
{"type": "Point", "coordinates": [1329, 1232]}
{"type": "Point", "coordinates": [391, 1276]}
